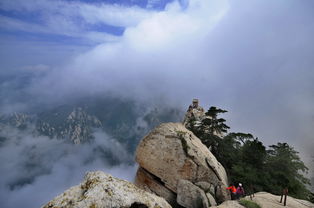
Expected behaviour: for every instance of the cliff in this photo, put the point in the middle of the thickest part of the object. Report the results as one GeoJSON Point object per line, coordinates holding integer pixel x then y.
{"type": "Point", "coordinates": [174, 164]}
{"type": "Point", "coordinates": [102, 190]}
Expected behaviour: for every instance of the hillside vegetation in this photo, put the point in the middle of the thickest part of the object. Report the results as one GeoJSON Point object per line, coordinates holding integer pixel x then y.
{"type": "Point", "coordinates": [247, 160]}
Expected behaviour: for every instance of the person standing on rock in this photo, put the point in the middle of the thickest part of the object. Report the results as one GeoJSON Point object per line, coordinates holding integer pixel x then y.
{"type": "Point", "coordinates": [240, 191]}
{"type": "Point", "coordinates": [233, 191]}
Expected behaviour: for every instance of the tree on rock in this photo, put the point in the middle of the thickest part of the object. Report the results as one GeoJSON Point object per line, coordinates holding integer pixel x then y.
{"type": "Point", "coordinates": [285, 169]}
{"type": "Point", "coordinates": [211, 129]}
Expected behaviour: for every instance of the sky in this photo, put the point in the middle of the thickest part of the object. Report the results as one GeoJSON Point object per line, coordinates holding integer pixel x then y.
{"type": "Point", "coordinates": [254, 58]}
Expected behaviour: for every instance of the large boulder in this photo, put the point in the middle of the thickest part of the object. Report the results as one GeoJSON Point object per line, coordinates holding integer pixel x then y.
{"type": "Point", "coordinates": [102, 190]}
{"type": "Point", "coordinates": [190, 196]}
{"type": "Point", "coordinates": [171, 153]}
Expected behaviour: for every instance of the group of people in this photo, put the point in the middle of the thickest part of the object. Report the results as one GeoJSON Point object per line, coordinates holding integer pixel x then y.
{"type": "Point", "coordinates": [236, 193]}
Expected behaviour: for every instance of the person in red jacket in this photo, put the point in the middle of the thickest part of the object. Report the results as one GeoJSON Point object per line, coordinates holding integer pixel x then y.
{"type": "Point", "coordinates": [233, 191]}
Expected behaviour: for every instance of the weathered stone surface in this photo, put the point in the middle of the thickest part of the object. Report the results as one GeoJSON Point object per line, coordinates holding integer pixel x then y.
{"type": "Point", "coordinates": [267, 200]}
{"type": "Point", "coordinates": [149, 182]}
{"type": "Point", "coordinates": [191, 196]}
{"type": "Point", "coordinates": [171, 153]}
{"type": "Point", "coordinates": [221, 193]}
{"type": "Point", "coordinates": [102, 190]}
{"type": "Point", "coordinates": [207, 187]}
{"type": "Point", "coordinates": [211, 199]}
{"type": "Point", "coordinates": [229, 204]}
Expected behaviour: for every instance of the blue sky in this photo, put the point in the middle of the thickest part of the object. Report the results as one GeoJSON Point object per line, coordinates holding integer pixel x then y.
{"type": "Point", "coordinates": [64, 28]}
{"type": "Point", "coordinates": [40, 19]}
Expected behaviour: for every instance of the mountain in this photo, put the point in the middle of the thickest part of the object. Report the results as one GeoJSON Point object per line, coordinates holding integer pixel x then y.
{"type": "Point", "coordinates": [173, 164]}
{"type": "Point", "coordinates": [61, 142]}
{"type": "Point", "coordinates": [76, 126]}
{"type": "Point", "coordinates": [175, 170]}
{"type": "Point", "coordinates": [76, 122]}
{"type": "Point", "coordinates": [102, 190]}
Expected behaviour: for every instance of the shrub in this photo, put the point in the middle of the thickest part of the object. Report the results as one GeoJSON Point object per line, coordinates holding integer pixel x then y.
{"type": "Point", "coordinates": [249, 204]}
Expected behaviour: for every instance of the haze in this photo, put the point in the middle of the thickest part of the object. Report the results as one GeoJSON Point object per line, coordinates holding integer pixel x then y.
{"type": "Point", "coordinates": [254, 58]}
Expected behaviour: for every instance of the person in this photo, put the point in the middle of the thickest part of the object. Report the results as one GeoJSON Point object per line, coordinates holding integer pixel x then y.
{"type": "Point", "coordinates": [240, 191]}
{"type": "Point", "coordinates": [233, 191]}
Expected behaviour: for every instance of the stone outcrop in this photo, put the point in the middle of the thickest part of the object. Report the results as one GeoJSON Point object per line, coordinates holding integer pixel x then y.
{"type": "Point", "coordinates": [102, 190]}
{"type": "Point", "coordinates": [78, 126]}
{"type": "Point", "coordinates": [171, 154]}
{"type": "Point", "coordinates": [229, 204]}
{"type": "Point", "coordinates": [190, 196]}
{"type": "Point", "coordinates": [267, 200]}
{"type": "Point", "coordinates": [15, 120]}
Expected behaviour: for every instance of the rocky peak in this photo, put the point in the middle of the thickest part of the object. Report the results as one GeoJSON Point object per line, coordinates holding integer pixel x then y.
{"type": "Point", "coordinates": [79, 116]}
{"type": "Point", "coordinates": [102, 190]}
{"type": "Point", "coordinates": [79, 125]}
{"type": "Point", "coordinates": [176, 165]}
{"type": "Point", "coordinates": [16, 120]}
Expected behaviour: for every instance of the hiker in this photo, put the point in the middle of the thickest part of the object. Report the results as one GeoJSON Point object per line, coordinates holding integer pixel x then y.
{"type": "Point", "coordinates": [233, 191]}
{"type": "Point", "coordinates": [240, 191]}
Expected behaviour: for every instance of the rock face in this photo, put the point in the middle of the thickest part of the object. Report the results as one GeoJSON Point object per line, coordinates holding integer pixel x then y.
{"type": "Point", "coordinates": [77, 126]}
{"type": "Point", "coordinates": [15, 120]}
{"type": "Point", "coordinates": [190, 196]}
{"type": "Point", "coordinates": [172, 158]}
{"type": "Point", "coordinates": [102, 190]}
{"type": "Point", "coordinates": [267, 200]}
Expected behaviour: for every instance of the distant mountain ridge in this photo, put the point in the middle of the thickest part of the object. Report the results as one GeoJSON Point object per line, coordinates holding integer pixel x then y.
{"type": "Point", "coordinates": [77, 122]}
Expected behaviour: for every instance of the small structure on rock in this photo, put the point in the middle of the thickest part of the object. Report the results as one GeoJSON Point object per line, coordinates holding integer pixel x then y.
{"type": "Point", "coordinates": [194, 113]}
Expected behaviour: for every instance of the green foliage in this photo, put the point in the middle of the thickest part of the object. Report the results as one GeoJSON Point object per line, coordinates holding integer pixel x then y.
{"type": "Point", "coordinates": [247, 160]}
{"type": "Point", "coordinates": [210, 129]}
{"type": "Point", "coordinates": [212, 124]}
{"type": "Point", "coordinates": [284, 168]}
{"type": "Point", "coordinates": [185, 146]}
{"type": "Point", "coordinates": [311, 197]}
{"type": "Point", "coordinates": [249, 204]}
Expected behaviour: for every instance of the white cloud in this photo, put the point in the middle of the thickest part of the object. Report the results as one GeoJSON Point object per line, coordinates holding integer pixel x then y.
{"type": "Point", "coordinates": [113, 14]}
{"type": "Point", "coordinates": [152, 3]}
{"type": "Point", "coordinates": [92, 13]}
{"type": "Point", "coordinates": [57, 26]}
{"type": "Point", "coordinates": [37, 68]}
{"type": "Point", "coordinates": [251, 57]}
{"type": "Point", "coordinates": [36, 169]}
{"type": "Point", "coordinates": [236, 56]}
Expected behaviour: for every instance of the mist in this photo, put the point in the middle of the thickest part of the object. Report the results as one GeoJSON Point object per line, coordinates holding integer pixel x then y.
{"type": "Point", "coordinates": [36, 169]}
{"type": "Point", "coordinates": [251, 57]}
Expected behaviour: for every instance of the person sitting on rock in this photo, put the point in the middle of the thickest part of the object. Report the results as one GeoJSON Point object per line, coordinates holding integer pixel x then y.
{"type": "Point", "coordinates": [233, 191]}
{"type": "Point", "coordinates": [240, 191]}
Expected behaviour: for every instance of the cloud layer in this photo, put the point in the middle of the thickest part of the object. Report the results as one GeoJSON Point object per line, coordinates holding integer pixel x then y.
{"type": "Point", "coordinates": [36, 169]}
